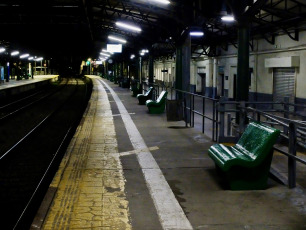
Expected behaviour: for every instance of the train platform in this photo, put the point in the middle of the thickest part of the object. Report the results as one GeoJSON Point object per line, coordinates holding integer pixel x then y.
{"type": "Point", "coordinates": [18, 83]}
{"type": "Point", "coordinates": [14, 87]}
{"type": "Point", "coordinates": [127, 169]}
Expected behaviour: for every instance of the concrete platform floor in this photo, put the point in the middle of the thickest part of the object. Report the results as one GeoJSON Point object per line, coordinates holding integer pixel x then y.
{"type": "Point", "coordinates": [181, 157]}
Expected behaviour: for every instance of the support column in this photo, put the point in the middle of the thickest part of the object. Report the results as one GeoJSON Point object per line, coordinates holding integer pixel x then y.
{"type": "Point", "coordinates": [151, 69]}
{"type": "Point", "coordinates": [179, 69]}
{"type": "Point", "coordinates": [242, 83]}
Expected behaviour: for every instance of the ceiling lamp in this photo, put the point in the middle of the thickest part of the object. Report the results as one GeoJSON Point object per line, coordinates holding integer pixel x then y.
{"type": "Point", "coordinates": [196, 33]}
{"type": "Point", "coordinates": [14, 53]}
{"type": "Point", "coordinates": [128, 26]}
{"type": "Point", "coordinates": [116, 39]}
{"type": "Point", "coordinates": [104, 50]}
{"type": "Point", "coordinates": [104, 54]}
{"type": "Point", "coordinates": [228, 18]}
{"type": "Point", "coordinates": [162, 1]}
{"type": "Point", "coordinates": [2, 50]}
{"type": "Point", "coordinates": [24, 56]}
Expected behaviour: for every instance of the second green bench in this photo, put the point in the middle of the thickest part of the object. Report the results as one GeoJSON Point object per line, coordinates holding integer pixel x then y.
{"type": "Point", "coordinates": [142, 98]}
{"type": "Point", "coordinates": [158, 106]}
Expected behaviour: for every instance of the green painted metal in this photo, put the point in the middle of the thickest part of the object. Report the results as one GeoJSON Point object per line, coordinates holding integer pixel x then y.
{"type": "Point", "coordinates": [242, 83]}
{"type": "Point", "coordinates": [142, 98]}
{"type": "Point", "coordinates": [151, 69]}
{"type": "Point", "coordinates": [246, 165]}
{"type": "Point", "coordinates": [158, 106]}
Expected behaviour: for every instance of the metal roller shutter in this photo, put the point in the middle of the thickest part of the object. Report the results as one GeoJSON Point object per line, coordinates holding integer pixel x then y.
{"type": "Point", "coordinates": [283, 85]}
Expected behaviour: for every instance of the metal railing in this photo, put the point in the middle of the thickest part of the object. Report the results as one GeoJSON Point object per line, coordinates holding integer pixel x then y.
{"type": "Point", "coordinates": [293, 132]}
{"type": "Point", "coordinates": [188, 105]}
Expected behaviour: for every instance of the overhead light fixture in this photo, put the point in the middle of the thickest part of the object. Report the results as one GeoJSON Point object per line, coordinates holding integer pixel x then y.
{"type": "Point", "coordinates": [39, 59]}
{"type": "Point", "coordinates": [30, 58]}
{"type": "Point", "coordinates": [132, 56]}
{"type": "Point", "coordinates": [104, 54]}
{"type": "Point", "coordinates": [196, 33]}
{"type": "Point", "coordinates": [116, 39]}
{"type": "Point", "coordinates": [128, 26]}
{"type": "Point", "coordinates": [14, 53]}
{"type": "Point", "coordinates": [166, 2]}
{"type": "Point", "coordinates": [228, 18]}
{"type": "Point", "coordinates": [104, 50]}
{"type": "Point", "coordinates": [24, 56]}
{"type": "Point", "coordinates": [2, 50]}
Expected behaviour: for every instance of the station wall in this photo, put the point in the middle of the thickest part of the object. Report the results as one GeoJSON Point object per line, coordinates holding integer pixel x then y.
{"type": "Point", "coordinates": [215, 77]}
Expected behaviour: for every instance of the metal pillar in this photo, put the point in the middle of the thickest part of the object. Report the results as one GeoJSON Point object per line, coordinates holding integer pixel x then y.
{"type": "Point", "coordinates": [242, 83]}
{"type": "Point", "coordinates": [179, 70]}
{"type": "Point", "coordinates": [151, 69]}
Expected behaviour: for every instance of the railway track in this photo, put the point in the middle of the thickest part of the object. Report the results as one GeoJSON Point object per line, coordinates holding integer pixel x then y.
{"type": "Point", "coordinates": [28, 165]}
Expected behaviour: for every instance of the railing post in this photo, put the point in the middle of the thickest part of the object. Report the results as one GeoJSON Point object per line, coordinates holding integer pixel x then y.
{"type": "Point", "coordinates": [221, 111]}
{"type": "Point", "coordinates": [292, 151]}
{"type": "Point", "coordinates": [192, 110]}
{"type": "Point", "coordinates": [203, 112]}
{"type": "Point", "coordinates": [229, 119]}
{"type": "Point", "coordinates": [242, 117]}
{"type": "Point", "coordinates": [286, 112]}
{"type": "Point", "coordinates": [185, 112]}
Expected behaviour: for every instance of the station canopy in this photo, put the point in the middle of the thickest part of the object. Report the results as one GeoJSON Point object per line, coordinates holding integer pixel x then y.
{"type": "Point", "coordinates": [82, 27]}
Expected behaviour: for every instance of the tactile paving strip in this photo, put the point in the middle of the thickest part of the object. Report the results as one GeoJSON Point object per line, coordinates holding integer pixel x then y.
{"type": "Point", "coordinates": [90, 183]}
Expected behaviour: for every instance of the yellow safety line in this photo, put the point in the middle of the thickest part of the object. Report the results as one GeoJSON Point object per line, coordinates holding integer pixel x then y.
{"type": "Point", "coordinates": [90, 183]}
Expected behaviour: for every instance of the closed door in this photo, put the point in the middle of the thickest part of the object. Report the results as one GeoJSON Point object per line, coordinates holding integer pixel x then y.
{"type": "Point", "coordinates": [283, 85]}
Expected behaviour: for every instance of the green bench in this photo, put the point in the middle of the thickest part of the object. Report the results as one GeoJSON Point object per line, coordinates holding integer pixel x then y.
{"type": "Point", "coordinates": [158, 106]}
{"type": "Point", "coordinates": [142, 98]}
{"type": "Point", "coordinates": [246, 165]}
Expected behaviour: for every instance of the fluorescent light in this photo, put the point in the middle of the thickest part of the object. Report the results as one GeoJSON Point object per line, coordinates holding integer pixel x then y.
{"type": "Point", "coordinates": [228, 18]}
{"type": "Point", "coordinates": [24, 56]}
{"type": "Point", "coordinates": [132, 56]}
{"type": "Point", "coordinates": [30, 58]}
{"type": "Point", "coordinates": [116, 39]}
{"type": "Point", "coordinates": [144, 51]}
{"type": "Point", "coordinates": [162, 1]}
{"type": "Point", "coordinates": [104, 54]}
{"type": "Point", "coordinates": [39, 59]}
{"type": "Point", "coordinates": [2, 50]}
{"type": "Point", "coordinates": [129, 27]}
{"type": "Point", "coordinates": [196, 33]}
{"type": "Point", "coordinates": [14, 53]}
{"type": "Point", "coordinates": [104, 50]}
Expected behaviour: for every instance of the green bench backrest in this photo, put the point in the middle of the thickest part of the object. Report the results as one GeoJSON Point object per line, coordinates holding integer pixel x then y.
{"type": "Point", "coordinates": [149, 91]}
{"type": "Point", "coordinates": [258, 139]}
{"type": "Point", "coordinates": [162, 97]}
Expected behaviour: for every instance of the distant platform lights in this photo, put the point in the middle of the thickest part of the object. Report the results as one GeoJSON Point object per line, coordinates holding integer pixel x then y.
{"type": "Point", "coordinates": [143, 52]}
{"type": "Point", "coordinates": [2, 49]}
{"type": "Point", "coordinates": [132, 56]}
